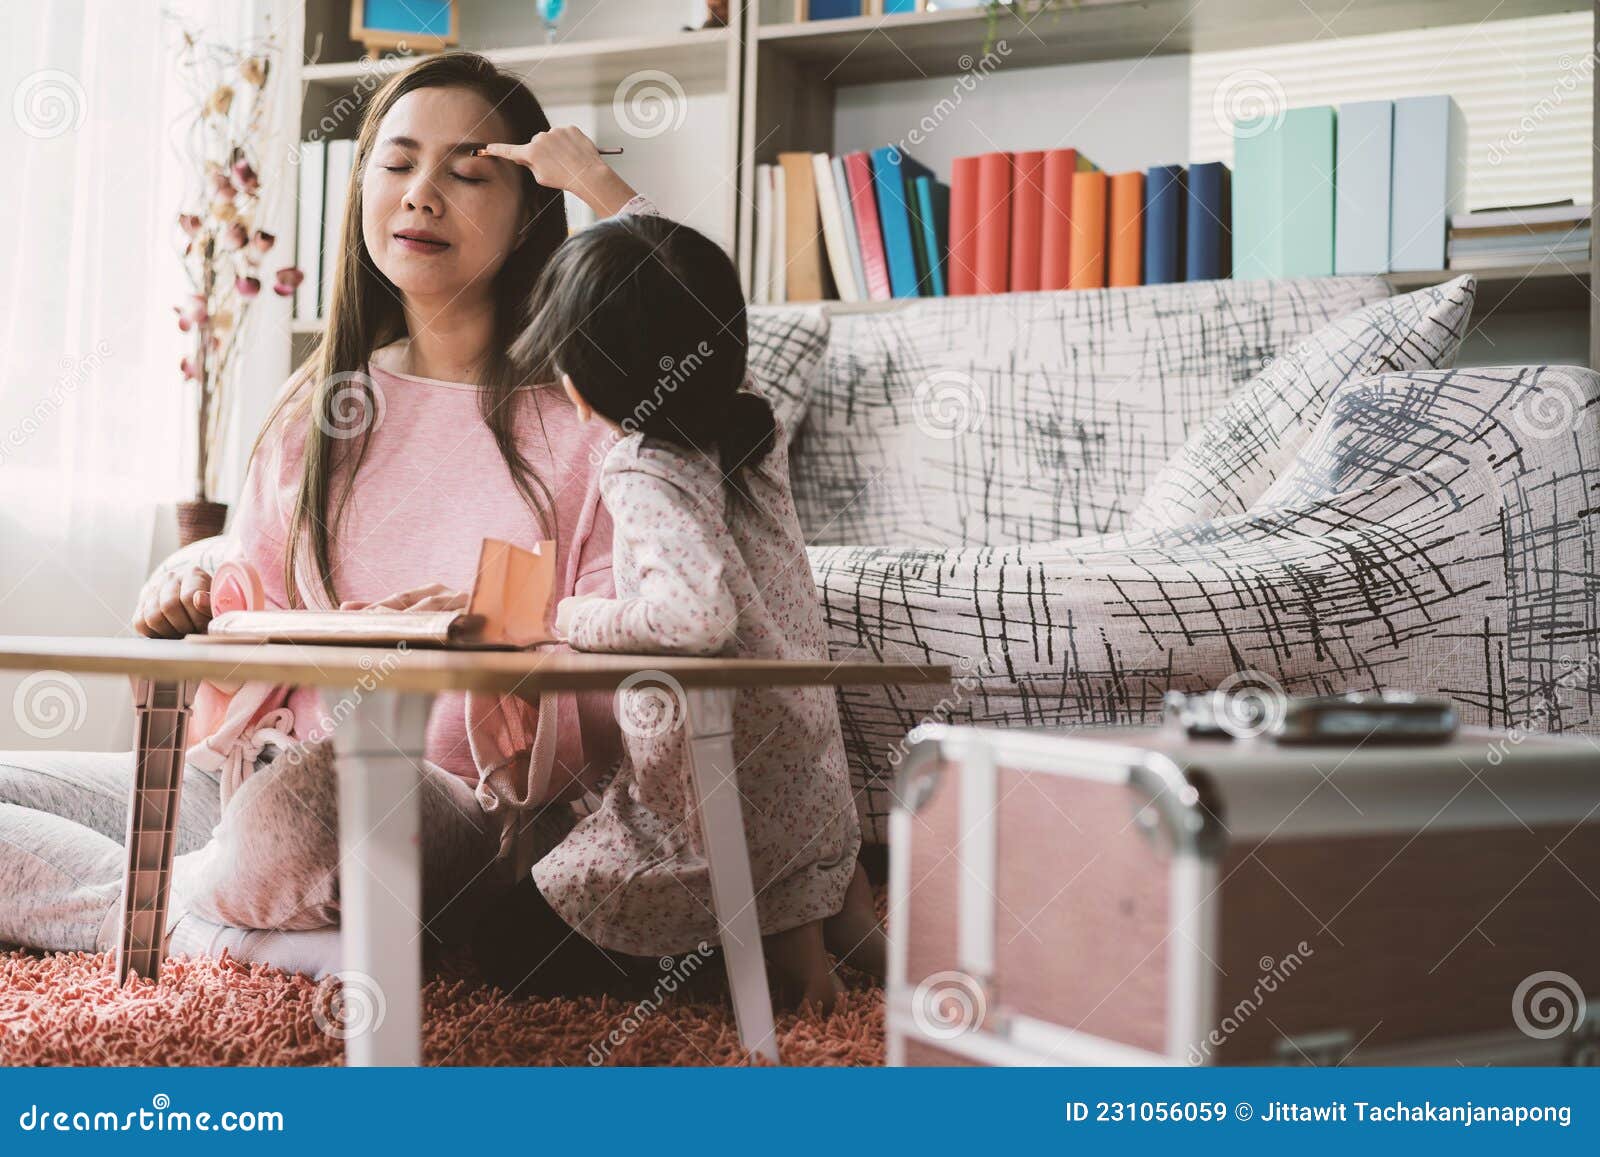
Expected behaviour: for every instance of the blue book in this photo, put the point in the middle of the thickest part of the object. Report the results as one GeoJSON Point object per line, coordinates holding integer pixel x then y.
{"type": "Point", "coordinates": [1165, 206]}
{"type": "Point", "coordinates": [892, 6]}
{"type": "Point", "coordinates": [832, 9]}
{"type": "Point", "coordinates": [891, 169]}
{"type": "Point", "coordinates": [933, 203]}
{"type": "Point", "coordinates": [1208, 253]}
{"type": "Point", "coordinates": [1361, 194]}
{"type": "Point", "coordinates": [1429, 180]}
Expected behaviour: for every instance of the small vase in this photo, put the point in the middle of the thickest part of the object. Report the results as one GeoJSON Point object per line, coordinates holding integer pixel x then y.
{"type": "Point", "coordinates": [200, 519]}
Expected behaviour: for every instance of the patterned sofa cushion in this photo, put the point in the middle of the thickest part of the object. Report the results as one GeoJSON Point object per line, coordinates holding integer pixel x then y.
{"type": "Point", "coordinates": [1029, 417]}
{"type": "Point", "coordinates": [786, 348]}
{"type": "Point", "coordinates": [1232, 459]}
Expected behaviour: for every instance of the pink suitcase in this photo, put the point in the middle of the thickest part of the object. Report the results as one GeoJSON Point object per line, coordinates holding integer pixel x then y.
{"type": "Point", "coordinates": [1135, 896]}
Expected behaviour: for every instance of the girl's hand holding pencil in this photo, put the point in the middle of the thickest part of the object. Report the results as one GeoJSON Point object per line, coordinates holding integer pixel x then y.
{"type": "Point", "coordinates": [565, 158]}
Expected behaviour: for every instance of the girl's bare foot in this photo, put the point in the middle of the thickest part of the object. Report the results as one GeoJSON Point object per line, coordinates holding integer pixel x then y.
{"type": "Point", "coordinates": [854, 934]}
{"type": "Point", "coordinates": [800, 963]}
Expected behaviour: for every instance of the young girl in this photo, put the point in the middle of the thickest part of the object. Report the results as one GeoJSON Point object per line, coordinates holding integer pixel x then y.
{"type": "Point", "coordinates": [643, 323]}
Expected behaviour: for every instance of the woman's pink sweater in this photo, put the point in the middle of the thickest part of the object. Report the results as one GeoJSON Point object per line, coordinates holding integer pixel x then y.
{"type": "Point", "coordinates": [433, 486]}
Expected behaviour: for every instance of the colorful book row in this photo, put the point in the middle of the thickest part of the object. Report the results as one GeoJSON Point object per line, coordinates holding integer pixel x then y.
{"type": "Point", "coordinates": [1051, 219]}
{"type": "Point", "coordinates": [861, 227]}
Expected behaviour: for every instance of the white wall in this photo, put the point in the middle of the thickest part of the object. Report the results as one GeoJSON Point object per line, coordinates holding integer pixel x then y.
{"type": "Point", "coordinates": [1123, 114]}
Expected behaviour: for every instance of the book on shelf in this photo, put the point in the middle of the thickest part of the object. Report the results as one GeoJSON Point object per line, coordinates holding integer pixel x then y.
{"type": "Point", "coordinates": [933, 202]}
{"type": "Point", "coordinates": [964, 216]}
{"type": "Point", "coordinates": [761, 281]}
{"type": "Point", "coordinates": [1055, 235]}
{"type": "Point", "coordinates": [891, 169]}
{"type": "Point", "coordinates": [1027, 219]}
{"type": "Point", "coordinates": [1088, 247]}
{"type": "Point", "coordinates": [994, 223]}
{"type": "Point", "coordinates": [778, 286]}
{"type": "Point", "coordinates": [1283, 194]}
{"type": "Point", "coordinates": [847, 218]}
{"type": "Point", "coordinates": [802, 222]}
{"type": "Point", "coordinates": [340, 161]}
{"type": "Point", "coordinates": [1208, 231]}
{"type": "Point", "coordinates": [1515, 236]}
{"type": "Point", "coordinates": [1125, 230]}
{"type": "Point", "coordinates": [1430, 174]}
{"type": "Point", "coordinates": [835, 239]}
{"type": "Point", "coordinates": [1363, 175]}
{"type": "Point", "coordinates": [1166, 204]}
{"type": "Point", "coordinates": [308, 235]}
{"type": "Point", "coordinates": [864, 204]}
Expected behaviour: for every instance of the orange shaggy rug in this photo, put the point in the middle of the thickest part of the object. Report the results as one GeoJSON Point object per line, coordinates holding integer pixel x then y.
{"type": "Point", "coordinates": [63, 1009]}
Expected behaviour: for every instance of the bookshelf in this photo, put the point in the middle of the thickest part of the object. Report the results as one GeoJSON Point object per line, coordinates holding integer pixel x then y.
{"type": "Point", "coordinates": [793, 71]}
{"type": "Point", "coordinates": [767, 84]}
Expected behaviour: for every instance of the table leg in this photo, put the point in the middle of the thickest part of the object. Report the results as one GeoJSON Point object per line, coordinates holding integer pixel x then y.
{"type": "Point", "coordinates": [160, 734]}
{"type": "Point", "coordinates": [721, 818]}
{"type": "Point", "coordinates": [378, 752]}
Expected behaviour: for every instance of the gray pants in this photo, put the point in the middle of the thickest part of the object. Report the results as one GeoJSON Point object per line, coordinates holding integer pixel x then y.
{"type": "Point", "coordinates": [269, 861]}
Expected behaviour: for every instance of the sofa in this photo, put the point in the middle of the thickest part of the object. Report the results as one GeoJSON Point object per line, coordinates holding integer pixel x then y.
{"type": "Point", "coordinates": [1082, 500]}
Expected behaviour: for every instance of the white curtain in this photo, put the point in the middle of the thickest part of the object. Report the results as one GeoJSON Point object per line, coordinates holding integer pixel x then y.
{"type": "Point", "coordinates": [95, 434]}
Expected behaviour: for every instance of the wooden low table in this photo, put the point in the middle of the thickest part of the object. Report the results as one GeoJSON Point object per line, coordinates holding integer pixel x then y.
{"type": "Point", "coordinates": [379, 745]}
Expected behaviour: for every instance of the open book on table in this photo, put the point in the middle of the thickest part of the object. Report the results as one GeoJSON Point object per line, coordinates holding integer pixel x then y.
{"type": "Point", "coordinates": [509, 609]}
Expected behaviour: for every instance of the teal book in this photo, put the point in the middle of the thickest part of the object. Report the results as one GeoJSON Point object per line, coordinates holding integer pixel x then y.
{"type": "Point", "coordinates": [933, 202]}
{"type": "Point", "coordinates": [1283, 194]}
{"type": "Point", "coordinates": [918, 239]}
{"type": "Point", "coordinates": [1361, 189]}
{"type": "Point", "coordinates": [1306, 215]}
{"type": "Point", "coordinates": [1257, 198]}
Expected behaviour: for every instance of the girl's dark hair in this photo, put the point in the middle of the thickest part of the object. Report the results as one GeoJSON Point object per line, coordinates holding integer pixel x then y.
{"type": "Point", "coordinates": [648, 318]}
{"type": "Point", "coordinates": [365, 314]}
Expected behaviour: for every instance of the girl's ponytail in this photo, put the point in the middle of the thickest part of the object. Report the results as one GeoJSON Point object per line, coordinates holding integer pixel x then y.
{"type": "Point", "coordinates": [748, 431]}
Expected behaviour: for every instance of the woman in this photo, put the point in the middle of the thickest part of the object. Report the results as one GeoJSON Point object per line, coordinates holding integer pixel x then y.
{"type": "Point", "coordinates": [402, 443]}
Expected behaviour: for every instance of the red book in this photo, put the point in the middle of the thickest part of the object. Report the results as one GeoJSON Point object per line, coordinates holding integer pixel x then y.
{"type": "Point", "coordinates": [994, 223]}
{"type": "Point", "coordinates": [864, 204]}
{"type": "Point", "coordinates": [1027, 219]}
{"type": "Point", "coordinates": [1055, 269]}
{"type": "Point", "coordinates": [1088, 250]}
{"type": "Point", "coordinates": [963, 260]}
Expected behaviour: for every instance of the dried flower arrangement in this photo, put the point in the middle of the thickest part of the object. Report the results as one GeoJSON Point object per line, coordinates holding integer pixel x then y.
{"type": "Point", "coordinates": [223, 247]}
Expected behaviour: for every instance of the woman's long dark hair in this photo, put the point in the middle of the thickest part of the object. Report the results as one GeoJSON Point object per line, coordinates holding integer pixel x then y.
{"type": "Point", "coordinates": [648, 318]}
{"type": "Point", "coordinates": [365, 315]}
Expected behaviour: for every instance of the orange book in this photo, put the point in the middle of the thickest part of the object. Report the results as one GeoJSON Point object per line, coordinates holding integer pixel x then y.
{"type": "Point", "coordinates": [1125, 230]}
{"type": "Point", "coordinates": [1088, 249]}
{"type": "Point", "coordinates": [963, 267]}
{"type": "Point", "coordinates": [994, 223]}
{"type": "Point", "coordinates": [1027, 219]}
{"type": "Point", "coordinates": [1056, 232]}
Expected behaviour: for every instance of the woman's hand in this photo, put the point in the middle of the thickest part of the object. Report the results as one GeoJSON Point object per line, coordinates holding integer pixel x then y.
{"type": "Point", "coordinates": [178, 604]}
{"type": "Point", "coordinates": [564, 158]}
{"type": "Point", "coordinates": [433, 597]}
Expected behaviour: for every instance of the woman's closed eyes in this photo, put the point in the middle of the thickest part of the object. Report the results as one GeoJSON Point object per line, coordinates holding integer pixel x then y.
{"type": "Point", "coordinates": [462, 177]}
